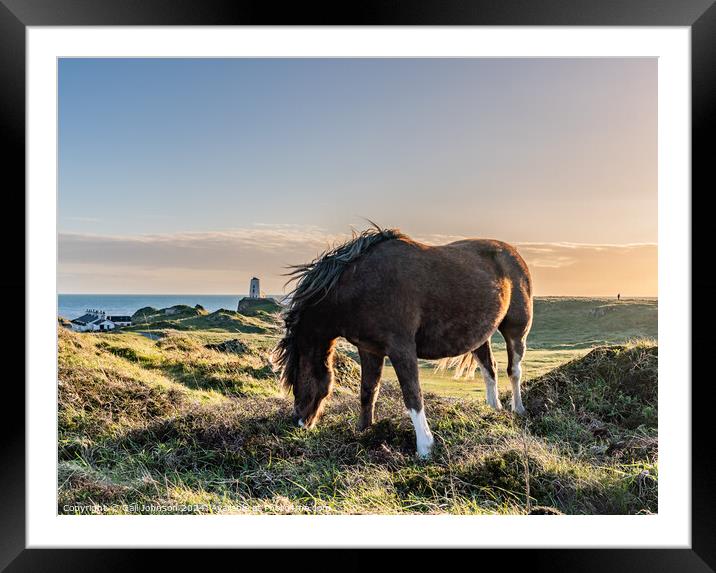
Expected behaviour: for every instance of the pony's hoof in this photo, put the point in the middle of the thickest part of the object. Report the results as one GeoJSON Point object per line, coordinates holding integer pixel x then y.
{"type": "Point", "coordinates": [424, 454]}
{"type": "Point", "coordinates": [519, 410]}
{"type": "Point", "coordinates": [423, 450]}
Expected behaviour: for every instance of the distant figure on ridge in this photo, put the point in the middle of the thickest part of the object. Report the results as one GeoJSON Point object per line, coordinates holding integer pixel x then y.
{"type": "Point", "coordinates": [619, 296]}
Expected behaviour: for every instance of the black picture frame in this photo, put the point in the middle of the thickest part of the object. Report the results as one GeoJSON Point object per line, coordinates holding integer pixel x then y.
{"type": "Point", "coordinates": [17, 15]}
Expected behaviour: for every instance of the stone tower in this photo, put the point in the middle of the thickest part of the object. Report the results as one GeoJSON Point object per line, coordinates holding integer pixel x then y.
{"type": "Point", "coordinates": [254, 288]}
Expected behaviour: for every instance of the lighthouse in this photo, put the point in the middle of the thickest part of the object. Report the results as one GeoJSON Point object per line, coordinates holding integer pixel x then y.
{"type": "Point", "coordinates": [254, 288]}
{"type": "Point", "coordinates": [256, 304]}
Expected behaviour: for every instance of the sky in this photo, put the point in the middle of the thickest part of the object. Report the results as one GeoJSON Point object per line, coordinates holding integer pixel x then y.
{"type": "Point", "coordinates": [193, 175]}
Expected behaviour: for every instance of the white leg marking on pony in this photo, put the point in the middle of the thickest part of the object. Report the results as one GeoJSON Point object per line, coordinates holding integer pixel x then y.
{"type": "Point", "coordinates": [515, 380]}
{"type": "Point", "coordinates": [423, 435]}
{"type": "Point", "coordinates": [493, 399]}
{"type": "Point", "coordinates": [300, 423]}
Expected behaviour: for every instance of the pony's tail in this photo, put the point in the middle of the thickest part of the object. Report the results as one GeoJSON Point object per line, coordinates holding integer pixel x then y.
{"type": "Point", "coordinates": [465, 364]}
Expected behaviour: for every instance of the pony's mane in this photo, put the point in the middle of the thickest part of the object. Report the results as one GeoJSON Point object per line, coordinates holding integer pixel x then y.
{"type": "Point", "coordinates": [314, 281]}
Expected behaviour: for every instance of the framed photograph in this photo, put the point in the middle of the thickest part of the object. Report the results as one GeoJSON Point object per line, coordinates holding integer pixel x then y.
{"type": "Point", "coordinates": [399, 280]}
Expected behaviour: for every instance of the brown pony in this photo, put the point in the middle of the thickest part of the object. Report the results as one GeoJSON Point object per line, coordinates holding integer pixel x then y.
{"type": "Point", "coordinates": [392, 296]}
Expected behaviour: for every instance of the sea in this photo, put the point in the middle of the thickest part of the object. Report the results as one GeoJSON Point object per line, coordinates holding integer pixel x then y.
{"type": "Point", "coordinates": [71, 306]}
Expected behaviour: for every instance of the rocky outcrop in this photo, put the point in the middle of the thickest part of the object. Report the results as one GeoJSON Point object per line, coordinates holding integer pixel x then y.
{"type": "Point", "coordinates": [252, 306]}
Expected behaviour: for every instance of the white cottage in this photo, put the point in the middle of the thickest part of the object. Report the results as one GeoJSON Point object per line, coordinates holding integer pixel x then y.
{"type": "Point", "coordinates": [120, 320]}
{"type": "Point", "coordinates": [98, 320]}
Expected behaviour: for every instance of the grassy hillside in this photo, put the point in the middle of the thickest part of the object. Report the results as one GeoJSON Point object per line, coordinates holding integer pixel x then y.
{"type": "Point", "coordinates": [222, 320]}
{"type": "Point", "coordinates": [575, 323]}
{"type": "Point", "coordinates": [183, 421]}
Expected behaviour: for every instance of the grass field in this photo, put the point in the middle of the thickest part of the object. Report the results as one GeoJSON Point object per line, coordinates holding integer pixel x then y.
{"type": "Point", "coordinates": [564, 329]}
{"type": "Point", "coordinates": [165, 417]}
{"type": "Point", "coordinates": [537, 363]}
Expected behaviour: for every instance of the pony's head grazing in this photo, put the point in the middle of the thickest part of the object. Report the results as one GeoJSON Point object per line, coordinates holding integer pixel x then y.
{"type": "Point", "coordinates": [304, 357]}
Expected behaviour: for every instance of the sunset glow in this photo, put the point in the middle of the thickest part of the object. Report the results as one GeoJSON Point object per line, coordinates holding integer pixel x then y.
{"type": "Point", "coordinates": [191, 176]}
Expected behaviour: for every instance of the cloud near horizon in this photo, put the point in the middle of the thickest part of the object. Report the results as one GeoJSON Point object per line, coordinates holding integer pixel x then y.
{"type": "Point", "coordinates": [222, 262]}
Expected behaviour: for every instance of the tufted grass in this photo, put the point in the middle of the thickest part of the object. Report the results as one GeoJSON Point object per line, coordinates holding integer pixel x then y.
{"type": "Point", "coordinates": [170, 426]}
